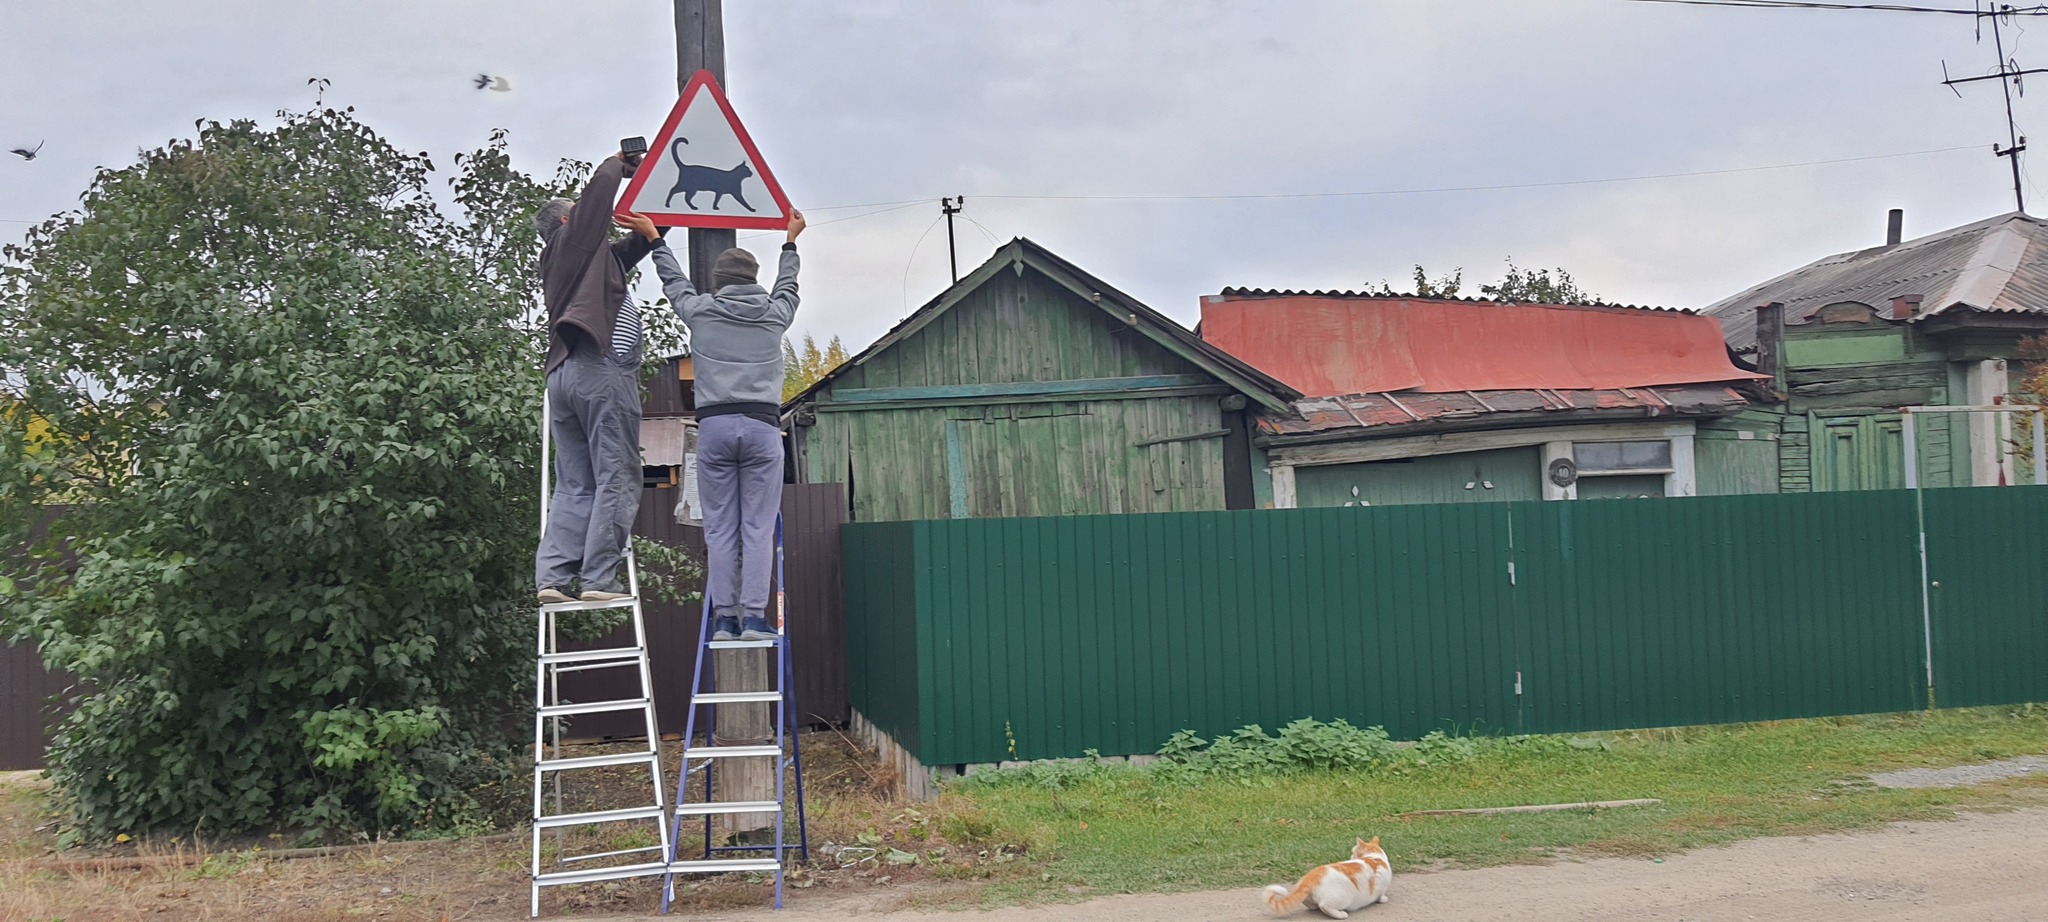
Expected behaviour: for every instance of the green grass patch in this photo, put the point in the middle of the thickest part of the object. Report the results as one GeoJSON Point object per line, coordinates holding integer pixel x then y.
{"type": "Point", "coordinates": [1110, 828]}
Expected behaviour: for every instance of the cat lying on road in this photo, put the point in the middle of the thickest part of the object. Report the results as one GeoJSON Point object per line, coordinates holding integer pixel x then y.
{"type": "Point", "coordinates": [1338, 889]}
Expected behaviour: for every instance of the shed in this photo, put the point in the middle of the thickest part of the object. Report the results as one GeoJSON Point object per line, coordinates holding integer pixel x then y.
{"type": "Point", "coordinates": [1029, 388]}
{"type": "Point", "coordinates": [1441, 400]}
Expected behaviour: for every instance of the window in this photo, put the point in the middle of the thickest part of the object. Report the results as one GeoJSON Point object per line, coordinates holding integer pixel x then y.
{"type": "Point", "coordinates": [1602, 459]}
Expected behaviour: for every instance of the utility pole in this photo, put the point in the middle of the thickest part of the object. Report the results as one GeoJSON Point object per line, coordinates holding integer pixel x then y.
{"type": "Point", "coordinates": [952, 206]}
{"type": "Point", "coordinates": [700, 45]}
{"type": "Point", "coordinates": [2009, 77]}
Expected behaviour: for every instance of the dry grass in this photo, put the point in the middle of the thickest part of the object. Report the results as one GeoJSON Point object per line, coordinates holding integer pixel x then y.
{"type": "Point", "coordinates": [481, 878]}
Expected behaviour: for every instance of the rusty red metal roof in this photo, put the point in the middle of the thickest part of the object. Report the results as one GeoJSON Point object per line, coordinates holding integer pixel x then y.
{"type": "Point", "coordinates": [1325, 345]}
{"type": "Point", "coordinates": [1424, 412]}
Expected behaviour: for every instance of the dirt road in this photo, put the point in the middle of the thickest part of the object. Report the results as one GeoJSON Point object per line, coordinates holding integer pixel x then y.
{"type": "Point", "coordinates": [1991, 867]}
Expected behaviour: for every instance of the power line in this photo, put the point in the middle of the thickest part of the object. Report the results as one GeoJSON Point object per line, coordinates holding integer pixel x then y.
{"type": "Point", "coordinates": [2036, 10]}
{"type": "Point", "coordinates": [901, 204]}
{"type": "Point", "coordinates": [1489, 188]}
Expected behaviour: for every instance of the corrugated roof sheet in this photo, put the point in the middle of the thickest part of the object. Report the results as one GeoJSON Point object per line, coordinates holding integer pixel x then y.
{"type": "Point", "coordinates": [1998, 264]}
{"type": "Point", "coordinates": [1477, 409]}
{"type": "Point", "coordinates": [1324, 345]}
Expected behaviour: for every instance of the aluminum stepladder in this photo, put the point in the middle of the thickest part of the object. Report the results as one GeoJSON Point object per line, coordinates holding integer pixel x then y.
{"type": "Point", "coordinates": [550, 664]}
{"type": "Point", "coordinates": [787, 753]}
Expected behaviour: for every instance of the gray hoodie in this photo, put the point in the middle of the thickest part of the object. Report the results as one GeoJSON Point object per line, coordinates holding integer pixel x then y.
{"type": "Point", "coordinates": [736, 334]}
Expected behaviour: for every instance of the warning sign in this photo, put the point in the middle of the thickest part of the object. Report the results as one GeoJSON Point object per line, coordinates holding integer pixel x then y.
{"type": "Point", "coordinates": [703, 171]}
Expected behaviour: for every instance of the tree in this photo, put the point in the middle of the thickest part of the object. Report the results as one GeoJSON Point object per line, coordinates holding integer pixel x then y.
{"type": "Point", "coordinates": [801, 369]}
{"type": "Point", "coordinates": [1519, 286]}
{"type": "Point", "coordinates": [292, 404]}
{"type": "Point", "coordinates": [1444, 287]}
{"type": "Point", "coordinates": [1538, 286]}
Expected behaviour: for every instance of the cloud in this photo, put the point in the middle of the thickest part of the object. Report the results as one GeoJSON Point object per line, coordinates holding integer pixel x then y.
{"type": "Point", "coordinates": [860, 101]}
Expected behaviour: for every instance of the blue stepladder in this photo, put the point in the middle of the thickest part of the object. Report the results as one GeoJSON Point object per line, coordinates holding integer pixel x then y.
{"type": "Point", "coordinates": [701, 761]}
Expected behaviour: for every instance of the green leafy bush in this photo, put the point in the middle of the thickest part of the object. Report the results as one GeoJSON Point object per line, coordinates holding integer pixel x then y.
{"type": "Point", "coordinates": [293, 406]}
{"type": "Point", "coordinates": [1304, 745]}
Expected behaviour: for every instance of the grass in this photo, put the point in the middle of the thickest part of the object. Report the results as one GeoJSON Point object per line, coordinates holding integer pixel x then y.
{"type": "Point", "coordinates": [1117, 829]}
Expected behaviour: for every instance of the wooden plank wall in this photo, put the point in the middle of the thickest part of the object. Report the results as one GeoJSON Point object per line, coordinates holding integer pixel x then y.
{"type": "Point", "coordinates": [1852, 369]}
{"type": "Point", "coordinates": [1072, 454]}
{"type": "Point", "coordinates": [27, 691]}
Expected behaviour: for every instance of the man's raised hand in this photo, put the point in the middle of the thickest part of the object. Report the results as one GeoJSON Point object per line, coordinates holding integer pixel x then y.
{"type": "Point", "coordinates": [642, 224]}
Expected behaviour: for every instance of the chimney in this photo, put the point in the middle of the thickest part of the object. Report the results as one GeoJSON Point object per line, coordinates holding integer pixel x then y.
{"type": "Point", "coordinates": [1904, 307]}
{"type": "Point", "coordinates": [1894, 226]}
{"type": "Point", "coordinates": [1770, 337]}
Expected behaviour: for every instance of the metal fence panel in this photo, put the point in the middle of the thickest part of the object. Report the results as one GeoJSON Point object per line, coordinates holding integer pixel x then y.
{"type": "Point", "coordinates": [1987, 551]}
{"type": "Point", "coordinates": [1717, 609]}
{"type": "Point", "coordinates": [1047, 637]}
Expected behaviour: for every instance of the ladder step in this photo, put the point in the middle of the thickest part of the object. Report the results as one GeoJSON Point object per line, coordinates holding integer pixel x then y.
{"type": "Point", "coordinates": [591, 656]}
{"type": "Point", "coordinates": [739, 644]}
{"type": "Point", "coordinates": [593, 875]}
{"type": "Point", "coordinates": [552, 607]}
{"type": "Point", "coordinates": [735, 697]}
{"type": "Point", "coordinates": [722, 865]}
{"type": "Point", "coordinates": [733, 806]}
{"type": "Point", "coordinates": [730, 752]}
{"type": "Point", "coordinates": [621, 758]}
{"type": "Point", "coordinates": [594, 707]}
{"type": "Point", "coordinates": [601, 816]}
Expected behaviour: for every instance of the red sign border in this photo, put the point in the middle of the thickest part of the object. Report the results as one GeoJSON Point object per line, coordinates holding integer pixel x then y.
{"type": "Point", "coordinates": [701, 80]}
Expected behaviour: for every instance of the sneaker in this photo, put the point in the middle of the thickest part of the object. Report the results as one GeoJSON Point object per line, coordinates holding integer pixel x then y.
{"type": "Point", "coordinates": [727, 628]}
{"type": "Point", "coordinates": [599, 595]}
{"type": "Point", "coordinates": [758, 629]}
{"type": "Point", "coordinates": [552, 596]}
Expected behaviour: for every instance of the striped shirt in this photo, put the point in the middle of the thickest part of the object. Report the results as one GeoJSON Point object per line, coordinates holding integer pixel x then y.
{"type": "Point", "coordinates": [626, 330]}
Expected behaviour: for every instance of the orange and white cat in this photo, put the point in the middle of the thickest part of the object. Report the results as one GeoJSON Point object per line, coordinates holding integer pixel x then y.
{"type": "Point", "coordinates": [1338, 890]}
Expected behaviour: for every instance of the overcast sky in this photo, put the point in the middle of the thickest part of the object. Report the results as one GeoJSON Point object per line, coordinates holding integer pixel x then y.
{"type": "Point", "coordinates": [1013, 104]}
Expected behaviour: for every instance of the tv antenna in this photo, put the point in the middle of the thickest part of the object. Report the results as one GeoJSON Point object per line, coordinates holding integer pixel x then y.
{"type": "Point", "coordinates": [2011, 77]}
{"type": "Point", "coordinates": [2009, 74]}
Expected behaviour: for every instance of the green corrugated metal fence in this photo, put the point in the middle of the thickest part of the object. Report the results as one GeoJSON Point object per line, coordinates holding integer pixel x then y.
{"type": "Point", "coordinates": [983, 640]}
{"type": "Point", "coordinates": [1987, 561]}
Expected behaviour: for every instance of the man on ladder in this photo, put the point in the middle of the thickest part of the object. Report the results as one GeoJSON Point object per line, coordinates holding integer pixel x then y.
{"type": "Point", "coordinates": [593, 385]}
{"type": "Point", "coordinates": [736, 347]}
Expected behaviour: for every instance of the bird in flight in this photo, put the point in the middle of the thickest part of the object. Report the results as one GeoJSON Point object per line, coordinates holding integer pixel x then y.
{"type": "Point", "coordinates": [27, 154]}
{"type": "Point", "coordinates": [488, 82]}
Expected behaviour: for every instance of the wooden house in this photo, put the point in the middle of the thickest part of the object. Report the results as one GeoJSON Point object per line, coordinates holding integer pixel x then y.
{"type": "Point", "coordinates": [1033, 388]}
{"type": "Point", "coordinates": [1852, 339]}
{"type": "Point", "coordinates": [1435, 400]}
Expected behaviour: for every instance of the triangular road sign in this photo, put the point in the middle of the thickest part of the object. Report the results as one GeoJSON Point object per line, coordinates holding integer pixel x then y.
{"type": "Point", "coordinates": [703, 171]}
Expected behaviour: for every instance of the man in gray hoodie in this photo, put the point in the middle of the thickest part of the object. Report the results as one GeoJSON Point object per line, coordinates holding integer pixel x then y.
{"type": "Point", "coordinates": [736, 347]}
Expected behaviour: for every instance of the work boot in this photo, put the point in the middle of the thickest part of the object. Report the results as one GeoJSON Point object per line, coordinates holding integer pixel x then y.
{"type": "Point", "coordinates": [757, 629]}
{"type": "Point", "coordinates": [726, 628]}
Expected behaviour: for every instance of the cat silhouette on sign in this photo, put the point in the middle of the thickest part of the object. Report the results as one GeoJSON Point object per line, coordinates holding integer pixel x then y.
{"type": "Point", "coordinates": [694, 179]}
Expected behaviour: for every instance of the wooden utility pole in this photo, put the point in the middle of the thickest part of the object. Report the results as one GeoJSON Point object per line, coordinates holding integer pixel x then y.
{"type": "Point", "coordinates": [700, 45]}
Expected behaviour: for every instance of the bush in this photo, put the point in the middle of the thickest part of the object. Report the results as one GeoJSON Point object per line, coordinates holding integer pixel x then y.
{"type": "Point", "coordinates": [293, 406]}
{"type": "Point", "coordinates": [1304, 745]}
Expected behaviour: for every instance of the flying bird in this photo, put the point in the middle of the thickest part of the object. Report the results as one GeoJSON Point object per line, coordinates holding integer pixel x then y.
{"type": "Point", "coordinates": [27, 154]}
{"type": "Point", "coordinates": [488, 82]}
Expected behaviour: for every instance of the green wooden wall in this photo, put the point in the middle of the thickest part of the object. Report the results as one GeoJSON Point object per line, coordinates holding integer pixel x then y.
{"type": "Point", "coordinates": [1737, 455]}
{"type": "Point", "coordinates": [1498, 476]}
{"type": "Point", "coordinates": [1113, 632]}
{"type": "Point", "coordinates": [1141, 431]}
{"type": "Point", "coordinates": [1844, 384]}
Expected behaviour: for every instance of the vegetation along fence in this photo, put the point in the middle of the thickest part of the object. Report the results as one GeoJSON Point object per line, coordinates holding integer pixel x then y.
{"type": "Point", "coordinates": [982, 640]}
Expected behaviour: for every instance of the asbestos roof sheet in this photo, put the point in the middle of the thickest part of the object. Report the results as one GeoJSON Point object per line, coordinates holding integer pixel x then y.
{"type": "Point", "coordinates": [1343, 344]}
{"type": "Point", "coordinates": [1998, 264]}
{"type": "Point", "coordinates": [1482, 408]}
